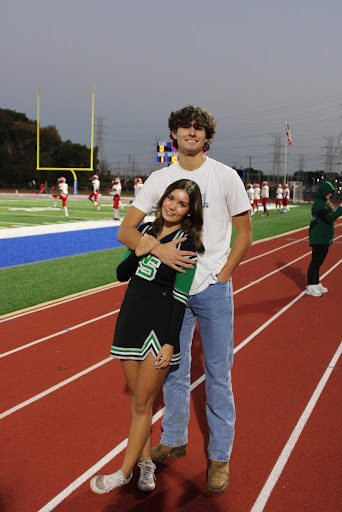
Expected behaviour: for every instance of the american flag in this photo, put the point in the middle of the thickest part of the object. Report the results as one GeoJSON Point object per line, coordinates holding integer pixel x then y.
{"type": "Point", "coordinates": [288, 134]}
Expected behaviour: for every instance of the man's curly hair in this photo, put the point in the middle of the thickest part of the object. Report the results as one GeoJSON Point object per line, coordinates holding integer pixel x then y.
{"type": "Point", "coordinates": [185, 116]}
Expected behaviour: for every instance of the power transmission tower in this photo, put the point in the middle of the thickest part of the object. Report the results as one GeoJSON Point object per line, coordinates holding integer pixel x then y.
{"type": "Point", "coordinates": [99, 131]}
{"type": "Point", "coordinates": [277, 155]}
{"type": "Point", "coordinates": [332, 157]}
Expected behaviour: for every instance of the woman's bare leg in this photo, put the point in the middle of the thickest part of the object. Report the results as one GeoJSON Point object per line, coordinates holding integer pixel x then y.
{"type": "Point", "coordinates": [143, 382]}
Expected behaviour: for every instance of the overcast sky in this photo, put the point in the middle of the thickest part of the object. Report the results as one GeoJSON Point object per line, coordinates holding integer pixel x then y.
{"type": "Point", "coordinates": [253, 64]}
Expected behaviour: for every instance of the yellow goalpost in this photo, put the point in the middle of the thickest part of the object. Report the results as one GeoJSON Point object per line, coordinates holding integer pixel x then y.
{"type": "Point", "coordinates": [72, 170]}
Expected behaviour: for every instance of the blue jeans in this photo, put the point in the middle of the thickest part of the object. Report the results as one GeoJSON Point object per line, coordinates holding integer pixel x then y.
{"type": "Point", "coordinates": [213, 310]}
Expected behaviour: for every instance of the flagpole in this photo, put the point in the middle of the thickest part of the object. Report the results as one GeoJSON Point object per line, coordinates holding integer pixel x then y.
{"type": "Point", "coordinates": [286, 144]}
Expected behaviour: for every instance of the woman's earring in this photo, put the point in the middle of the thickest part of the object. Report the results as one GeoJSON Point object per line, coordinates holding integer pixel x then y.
{"type": "Point", "coordinates": [189, 215]}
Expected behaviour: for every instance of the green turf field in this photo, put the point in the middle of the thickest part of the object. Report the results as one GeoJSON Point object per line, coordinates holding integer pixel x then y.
{"type": "Point", "coordinates": [17, 211]}
{"type": "Point", "coordinates": [35, 283]}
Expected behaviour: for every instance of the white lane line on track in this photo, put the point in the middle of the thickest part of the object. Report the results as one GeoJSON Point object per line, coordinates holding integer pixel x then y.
{"type": "Point", "coordinates": [54, 388]}
{"type": "Point", "coordinates": [57, 302]}
{"type": "Point", "coordinates": [63, 331]}
{"type": "Point", "coordinates": [120, 447]}
{"type": "Point", "coordinates": [273, 250]}
{"type": "Point", "coordinates": [271, 273]}
{"type": "Point", "coordinates": [285, 454]}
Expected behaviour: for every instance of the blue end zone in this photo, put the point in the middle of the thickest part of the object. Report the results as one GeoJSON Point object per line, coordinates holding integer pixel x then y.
{"type": "Point", "coordinates": [31, 249]}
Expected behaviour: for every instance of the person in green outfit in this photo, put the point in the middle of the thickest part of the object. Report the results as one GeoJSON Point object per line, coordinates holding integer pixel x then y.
{"type": "Point", "coordinates": [321, 234]}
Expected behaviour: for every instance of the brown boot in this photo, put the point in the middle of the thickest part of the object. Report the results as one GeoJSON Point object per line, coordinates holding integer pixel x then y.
{"type": "Point", "coordinates": [217, 476]}
{"type": "Point", "coordinates": [160, 452]}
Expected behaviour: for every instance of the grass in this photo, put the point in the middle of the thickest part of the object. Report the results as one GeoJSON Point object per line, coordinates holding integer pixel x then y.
{"type": "Point", "coordinates": [31, 284]}
{"type": "Point", "coordinates": [16, 211]}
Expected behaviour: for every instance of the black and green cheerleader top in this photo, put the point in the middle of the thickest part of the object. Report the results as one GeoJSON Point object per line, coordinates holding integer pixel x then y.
{"type": "Point", "coordinates": [154, 304]}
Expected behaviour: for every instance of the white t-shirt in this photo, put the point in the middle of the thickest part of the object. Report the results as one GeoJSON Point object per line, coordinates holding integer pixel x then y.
{"type": "Point", "coordinates": [286, 193]}
{"type": "Point", "coordinates": [250, 193]}
{"type": "Point", "coordinates": [96, 185]}
{"type": "Point", "coordinates": [223, 196]}
{"type": "Point", "coordinates": [63, 189]}
{"type": "Point", "coordinates": [279, 193]}
{"type": "Point", "coordinates": [137, 188]}
{"type": "Point", "coordinates": [265, 191]}
{"type": "Point", "coordinates": [257, 193]}
{"type": "Point", "coordinates": [116, 190]}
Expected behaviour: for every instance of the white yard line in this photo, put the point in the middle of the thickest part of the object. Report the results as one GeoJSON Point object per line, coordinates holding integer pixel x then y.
{"type": "Point", "coordinates": [121, 446]}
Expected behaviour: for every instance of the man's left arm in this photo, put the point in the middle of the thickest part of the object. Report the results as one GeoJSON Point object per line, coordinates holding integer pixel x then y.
{"type": "Point", "coordinates": [243, 228]}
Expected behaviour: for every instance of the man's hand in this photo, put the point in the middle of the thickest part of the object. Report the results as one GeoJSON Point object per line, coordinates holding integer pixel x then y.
{"type": "Point", "coordinates": [145, 245]}
{"type": "Point", "coordinates": [173, 257]}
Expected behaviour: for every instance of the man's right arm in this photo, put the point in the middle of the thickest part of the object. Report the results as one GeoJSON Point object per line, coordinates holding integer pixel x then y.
{"type": "Point", "coordinates": [128, 234]}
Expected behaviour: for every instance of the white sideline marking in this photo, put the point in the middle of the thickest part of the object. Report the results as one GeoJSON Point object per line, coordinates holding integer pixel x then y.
{"type": "Point", "coordinates": [64, 331]}
{"type": "Point", "coordinates": [113, 453]}
{"type": "Point", "coordinates": [285, 454]}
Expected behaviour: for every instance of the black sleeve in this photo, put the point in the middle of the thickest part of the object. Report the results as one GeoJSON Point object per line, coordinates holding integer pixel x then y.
{"type": "Point", "coordinates": [128, 266]}
{"type": "Point", "coordinates": [328, 216]}
{"type": "Point", "coordinates": [130, 260]}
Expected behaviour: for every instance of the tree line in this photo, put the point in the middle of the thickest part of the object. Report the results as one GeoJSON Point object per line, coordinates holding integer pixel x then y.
{"type": "Point", "coordinates": [18, 151]}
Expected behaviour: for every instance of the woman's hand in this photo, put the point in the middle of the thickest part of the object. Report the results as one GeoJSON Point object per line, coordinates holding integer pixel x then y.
{"type": "Point", "coordinates": [164, 357]}
{"type": "Point", "coordinates": [145, 245]}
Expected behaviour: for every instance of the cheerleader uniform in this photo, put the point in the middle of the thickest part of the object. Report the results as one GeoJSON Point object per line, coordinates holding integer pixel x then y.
{"type": "Point", "coordinates": [154, 304]}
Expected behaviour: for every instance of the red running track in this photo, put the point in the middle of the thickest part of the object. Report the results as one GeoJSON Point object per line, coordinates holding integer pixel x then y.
{"type": "Point", "coordinates": [64, 406]}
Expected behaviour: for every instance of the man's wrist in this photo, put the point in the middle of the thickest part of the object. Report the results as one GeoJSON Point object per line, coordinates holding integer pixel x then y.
{"type": "Point", "coordinates": [154, 250]}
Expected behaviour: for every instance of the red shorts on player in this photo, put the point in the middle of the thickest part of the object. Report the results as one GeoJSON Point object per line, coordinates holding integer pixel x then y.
{"type": "Point", "coordinates": [94, 195]}
{"type": "Point", "coordinates": [264, 201]}
{"type": "Point", "coordinates": [64, 200]}
{"type": "Point", "coordinates": [278, 202]}
{"type": "Point", "coordinates": [116, 202]}
{"type": "Point", "coordinates": [285, 201]}
{"type": "Point", "coordinates": [256, 203]}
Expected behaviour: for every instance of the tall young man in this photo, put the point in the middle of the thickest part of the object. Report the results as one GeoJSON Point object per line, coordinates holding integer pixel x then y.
{"type": "Point", "coordinates": [225, 203]}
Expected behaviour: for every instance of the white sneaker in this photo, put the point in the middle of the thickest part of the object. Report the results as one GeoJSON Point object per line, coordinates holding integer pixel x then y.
{"type": "Point", "coordinates": [147, 478]}
{"type": "Point", "coordinates": [321, 288]}
{"type": "Point", "coordinates": [99, 208]}
{"type": "Point", "coordinates": [105, 483]}
{"type": "Point", "coordinates": [312, 290]}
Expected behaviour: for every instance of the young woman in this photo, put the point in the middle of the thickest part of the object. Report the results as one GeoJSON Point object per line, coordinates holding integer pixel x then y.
{"type": "Point", "coordinates": [321, 234]}
{"type": "Point", "coordinates": [146, 337]}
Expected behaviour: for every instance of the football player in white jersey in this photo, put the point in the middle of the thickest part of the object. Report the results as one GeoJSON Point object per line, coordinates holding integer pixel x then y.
{"type": "Point", "coordinates": [256, 187]}
{"type": "Point", "coordinates": [138, 184]}
{"type": "Point", "coordinates": [116, 193]}
{"type": "Point", "coordinates": [265, 194]}
{"type": "Point", "coordinates": [286, 198]}
{"type": "Point", "coordinates": [250, 194]}
{"type": "Point", "coordinates": [279, 196]}
{"type": "Point", "coordinates": [94, 194]}
{"type": "Point", "coordinates": [63, 192]}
